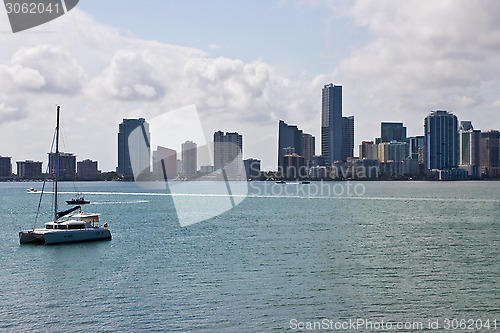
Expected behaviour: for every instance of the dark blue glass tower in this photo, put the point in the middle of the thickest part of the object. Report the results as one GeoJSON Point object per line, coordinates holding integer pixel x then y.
{"type": "Point", "coordinates": [441, 141]}
{"type": "Point", "coordinates": [125, 128]}
{"type": "Point", "coordinates": [331, 124]}
{"type": "Point", "coordinates": [289, 136]}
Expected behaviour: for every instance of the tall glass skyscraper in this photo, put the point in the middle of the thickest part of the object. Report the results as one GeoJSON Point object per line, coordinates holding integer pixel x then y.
{"type": "Point", "coordinates": [141, 151]}
{"type": "Point", "coordinates": [347, 137]}
{"type": "Point", "coordinates": [331, 123]}
{"type": "Point", "coordinates": [441, 140]}
{"type": "Point", "coordinates": [337, 132]}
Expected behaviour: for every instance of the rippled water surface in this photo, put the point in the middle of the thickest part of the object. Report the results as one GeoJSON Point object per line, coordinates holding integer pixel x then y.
{"type": "Point", "coordinates": [401, 251]}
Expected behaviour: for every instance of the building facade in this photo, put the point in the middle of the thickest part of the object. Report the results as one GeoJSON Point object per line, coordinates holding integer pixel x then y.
{"type": "Point", "coordinates": [169, 158]}
{"type": "Point", "coordinates": [189, 152]}
{"type": "Point", "coordinates": [29, 169]}
{"type": "Point", "coordinates": [347, 137]}
{"type": "Point", "coordinates": [252, 168]}
{"type": "Point", "coordinates": [470, 151]}
{"type": "Point", "coordinates": [441, 141]}
{"type": "Point", "coordinates": [294, 166]}
{"type": "Point", "coordinates": [392, 132]}
{"type": "Point", "coordinates": [207, 169]}
{"type": "Point", "coordinates": [87, 170]}
{"type": "Point", "coordinates": [228, 153]}
{"type": "Point", "coordinates": [416, 148]}
{"type": "Point", "coordinates": [5, 167]}
{"type": "Point", "coordinates": [490, 153]}
{"type": "Point", "coordinates": [289, 136]}
{"type": "Point", "coordinates": [364, 168]}
{"type": "Point", "coordinates": [392, 151]}
{"type": "Point", "coordinates": [368, 150]}
{"type": "Point", "coordinates": [138, 149]}
{"type": "Point", "coordinates": [331, 123]}
{"type": "Point", "coordinates": [67, 164]}
{"type": "Point", "coordinates": [309, 149]}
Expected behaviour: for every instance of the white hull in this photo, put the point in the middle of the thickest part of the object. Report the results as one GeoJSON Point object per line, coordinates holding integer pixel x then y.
{"type": "Point", "coordinates": [49, 237]}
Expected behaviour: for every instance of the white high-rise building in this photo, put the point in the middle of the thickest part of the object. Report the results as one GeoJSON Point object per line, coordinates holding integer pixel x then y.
{"type": "Point", "coordinates": [189, 151]}
{"type": "Point", "coordinates": [228, 153]}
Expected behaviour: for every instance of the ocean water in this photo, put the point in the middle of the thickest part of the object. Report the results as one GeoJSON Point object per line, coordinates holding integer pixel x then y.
{"type": "Point", "coordinates": [393, 252]}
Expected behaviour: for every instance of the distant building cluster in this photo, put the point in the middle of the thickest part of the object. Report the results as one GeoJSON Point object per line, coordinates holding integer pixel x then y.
{"type": "Point", "coordinates": [133, 154]}
{"type": "Point", "coordinates": [449, 149]}
{"type": "Point", "coordinates": [66, 167]}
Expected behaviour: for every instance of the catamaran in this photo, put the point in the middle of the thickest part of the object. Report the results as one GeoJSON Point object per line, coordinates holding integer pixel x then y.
{"type": "Point", "coordinates": [68, 226]}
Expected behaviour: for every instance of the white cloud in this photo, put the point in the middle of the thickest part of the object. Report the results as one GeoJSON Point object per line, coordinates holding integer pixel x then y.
{"type": "Point", "coordinates": [20, 77]}
{"type": "Point", "coordinates": [130, 77]}
{"type": "Point", "coordinates": [7, 112]}
{"type": "Point", "coordinates": [423, 56]}
{"type": "Point", "coordinates": [47, 67]}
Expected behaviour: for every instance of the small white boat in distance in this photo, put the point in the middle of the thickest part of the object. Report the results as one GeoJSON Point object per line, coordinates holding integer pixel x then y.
{"type": "Point", "coordinates": [31, 190]}
{"type": "Point", "coordinates": [78, 227]}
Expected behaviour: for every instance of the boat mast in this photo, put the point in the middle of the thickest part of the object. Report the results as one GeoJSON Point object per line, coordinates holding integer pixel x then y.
{"type": "Point", "coordinates": [57, 165]}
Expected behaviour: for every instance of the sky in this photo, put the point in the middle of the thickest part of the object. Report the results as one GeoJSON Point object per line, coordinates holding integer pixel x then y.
{"type": "Point", "coordinates": [245, 66]}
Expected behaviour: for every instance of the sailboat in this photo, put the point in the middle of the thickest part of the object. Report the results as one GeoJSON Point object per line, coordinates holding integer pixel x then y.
{"type": "Point", "coordinates": [68, 226]}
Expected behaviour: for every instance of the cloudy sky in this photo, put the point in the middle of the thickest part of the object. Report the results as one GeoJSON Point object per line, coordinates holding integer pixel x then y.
{"type": "Point", "coordinates": [245, 65]}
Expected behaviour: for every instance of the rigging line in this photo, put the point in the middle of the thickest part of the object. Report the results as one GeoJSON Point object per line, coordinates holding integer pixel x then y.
{"type": "Point", "coordinates": [44, 181]}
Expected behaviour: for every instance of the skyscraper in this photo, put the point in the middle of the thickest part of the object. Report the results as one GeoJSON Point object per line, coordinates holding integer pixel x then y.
{"type": "Point", "coordinates": [140, 146]}
{"type": "Point", "coordinates": [252, 168]}
{"type": "Point", "coordinates": [347, 137]}
{"type": "Point", "coordinates": [169, 158]}
{"type": "Point", "coordinates": [337, 132]}
{"type": "Point", "coordinates": [87, 170]}
{"type": "Point", "coordinates": [368, 150]}
{"type": "Point", "coordinates": [228, 154]}
{"type": "Point", "coordinates": [309, 149]}
{"type": "Point", "coordinates": [416, 148]}
{"type": "Point", "coordinates": [289, 136]}
{"type": "Point", "coordinates": [392, 132]}
{"type": "Point", "coordinates": [331, 123]}
{"type": "Point", "coordinates": [490, 153]}
{"type": "Point", "coordinates": [392, 151]}
{"type": "Point", "coordinates": [29, 169]}
{"type": "Point", "coordinates": [469, 143]}
{"type": "Point", "coordinates": [441, 140]}
{"type": "Point", "coordinates": [189, 152]}
{"type": "Point", "coordinates": [5, 167]}
{"type": "Point", "coordinates": [293, 166]}
{"type": "Point", "coordinates": [67, 164]}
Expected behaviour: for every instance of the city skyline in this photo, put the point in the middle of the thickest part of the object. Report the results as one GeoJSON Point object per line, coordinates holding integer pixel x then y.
{"type": "Point", "coordinates": [111, 68]}
{"type": "Point", "coordinates": [266, 165]}
{"type": "Point", "coordinates": [464, 149]}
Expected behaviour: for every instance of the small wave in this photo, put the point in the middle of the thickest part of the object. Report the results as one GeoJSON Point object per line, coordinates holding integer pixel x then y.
{"type": "Point", "coordinates": [119, 202]}
{"type": "Point", "coordinates": [271, 196]}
